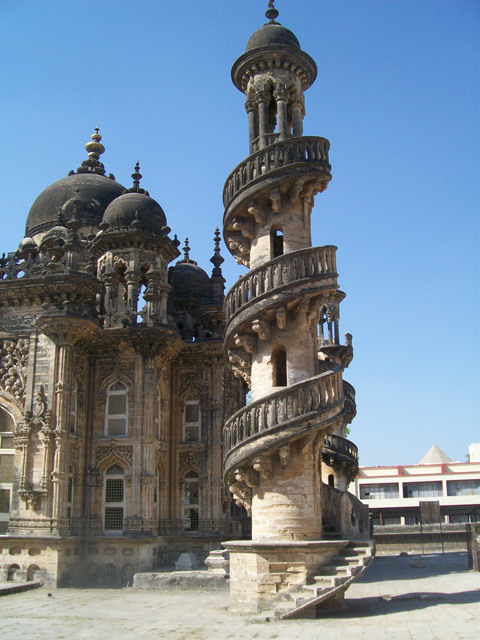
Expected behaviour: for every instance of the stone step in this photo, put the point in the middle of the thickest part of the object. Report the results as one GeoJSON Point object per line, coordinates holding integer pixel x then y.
{"type": "Point", "coordinates": [330, 582]}
{"type": "Point", "coordinates": [333, 570]}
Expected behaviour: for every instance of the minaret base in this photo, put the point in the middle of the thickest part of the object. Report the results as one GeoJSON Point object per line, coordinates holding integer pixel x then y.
{"type": "Point", "coordinates": [262, 574]}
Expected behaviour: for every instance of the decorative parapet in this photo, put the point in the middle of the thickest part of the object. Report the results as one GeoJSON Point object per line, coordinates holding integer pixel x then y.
{"type": "Point", "coordinates": [338, 446]}
{"type": "Point", "coordinates": [290, 268]}
{"type": "Point", "coordinates": [305, 153]}
{"type": "Point", "coordinates": [296, 408]}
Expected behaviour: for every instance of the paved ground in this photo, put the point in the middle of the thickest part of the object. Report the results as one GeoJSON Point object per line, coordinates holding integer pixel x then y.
{"type": "Point", "coordinates": [438, 601]}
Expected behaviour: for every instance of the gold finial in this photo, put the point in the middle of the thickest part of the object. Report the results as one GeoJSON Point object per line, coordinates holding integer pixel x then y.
{"type": "Point", "coordinates": [95, 148]}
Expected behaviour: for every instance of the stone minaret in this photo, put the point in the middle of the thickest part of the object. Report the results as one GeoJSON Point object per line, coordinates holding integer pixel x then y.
{"type": "Point", "coordinates": [282, 324]}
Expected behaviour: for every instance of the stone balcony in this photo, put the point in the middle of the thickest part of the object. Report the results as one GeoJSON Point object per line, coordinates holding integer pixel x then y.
{"type": "Point", "coordinates": [302, 272]}
{"type": "Point", "coordinates": [289, 158]}
{"type": "Point", "coordinates": [284, 415]}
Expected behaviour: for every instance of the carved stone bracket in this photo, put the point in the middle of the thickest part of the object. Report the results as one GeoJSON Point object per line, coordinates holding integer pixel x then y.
{"type": "Point", "coordinates": [262, 328]}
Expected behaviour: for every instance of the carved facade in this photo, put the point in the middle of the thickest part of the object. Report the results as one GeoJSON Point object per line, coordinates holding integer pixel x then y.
{"type": "Point", "coordinates": [112, 378]}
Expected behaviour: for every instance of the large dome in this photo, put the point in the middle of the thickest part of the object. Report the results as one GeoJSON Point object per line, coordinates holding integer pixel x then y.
{"type": "Point", "coordinates": [272, 33]}
{"type": "Point", "coordinates": [90, 193]}
{"type": "Point", "coordinates": [136, 208]}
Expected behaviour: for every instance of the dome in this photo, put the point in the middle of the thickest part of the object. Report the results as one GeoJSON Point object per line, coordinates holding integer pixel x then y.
{"type": "Point", "coordinates": [188, 280]}
{"type": "Point", "coordinates": [272, 33]}
{"type": "Point", "coordinates": [137, 208]}
{"type": "Point", "coordinates": [91, 192]}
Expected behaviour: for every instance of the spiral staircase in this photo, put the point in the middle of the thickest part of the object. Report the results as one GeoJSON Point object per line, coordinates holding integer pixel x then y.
{"type": "Point", "coordinates": [282, 338]}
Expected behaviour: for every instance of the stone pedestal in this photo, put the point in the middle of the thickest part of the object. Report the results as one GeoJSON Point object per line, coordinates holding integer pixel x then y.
{"type": "Point", "coordinates": [263, 573]}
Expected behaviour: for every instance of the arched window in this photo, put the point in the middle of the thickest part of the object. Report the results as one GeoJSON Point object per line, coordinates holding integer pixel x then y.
{"type": "Point", "coordinates": [116, 410]}
{"type": "Point", "coordinates": [191, 501]}
{"type": "Point", "coordinates": [276, 239]}
{"type": "Point", "coordinates": [73, 408]}
{"type": "Point", "coordinates": [279, 358]}
{"type": "Point", "coordinates": [192, 420]}
{"type": "Point", "coordinates": [331, 480]}
{"type": "Point", "coordinates": [7, 454]}
{"type": "Point", "coordinates": [114, 499]}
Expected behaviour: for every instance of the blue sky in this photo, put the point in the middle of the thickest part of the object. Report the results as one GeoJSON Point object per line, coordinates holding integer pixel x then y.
{"type": "Point", "coordinates": [397, 95]}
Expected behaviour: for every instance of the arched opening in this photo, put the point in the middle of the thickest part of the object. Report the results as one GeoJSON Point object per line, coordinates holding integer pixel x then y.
{"type": "Point", "coordinates": [331, 480]}
{"type": "Point", "coordinates": [32, 570]}
{"type": "Point", "coordinates": [191, 501]}
{"type": "Point", "coordinates": [114, 500]}
{"type": "Point", "coordinates": [70, 494]}
{"type": "Point", "coordinates": [279, 358]}
{"type": "Point", "coordinates": [12, 572]}
{"type": "Point", "coordinates": [116, 410]}
{"type": "Point", "coordinates": [276, 243]}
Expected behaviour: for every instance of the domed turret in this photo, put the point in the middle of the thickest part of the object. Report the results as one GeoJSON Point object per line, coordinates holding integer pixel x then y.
{"type": "Point", "coordinates": [89, 190]}
{"type": "Point", "coordinates": [189, 281]}
{"type": "Point", "coordinates": [135, 209]}
{"type": "Point", "coordinates": [272, 33]}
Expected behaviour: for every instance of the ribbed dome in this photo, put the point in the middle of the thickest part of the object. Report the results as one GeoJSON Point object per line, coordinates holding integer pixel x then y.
{"type": "Point", "coordinates": [90, 191]}
{"type": "Point", "coordinates": [272, 33]}
{"type": "Point", "coordinates": [138, 208]}
{"type": "Point", "coordinates": [189, 281]}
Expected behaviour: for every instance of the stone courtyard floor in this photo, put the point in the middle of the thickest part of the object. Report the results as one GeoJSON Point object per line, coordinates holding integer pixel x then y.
{"type": "Point", "coordinates": [438, 599]}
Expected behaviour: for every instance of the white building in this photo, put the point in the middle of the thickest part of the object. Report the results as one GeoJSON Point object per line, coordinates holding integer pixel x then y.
{"type": "Point", "coordinates": [393, 494]}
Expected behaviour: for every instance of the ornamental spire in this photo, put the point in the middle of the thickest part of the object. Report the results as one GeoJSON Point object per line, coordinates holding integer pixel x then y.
{"type": "Point", "coordinates": [136, 177]}
{"type": "Point", "coordinates": [95, 149]}
{"type": "Point", "coordinates": [216, 259]}
{"type": "Point", "coordinates": [271, 13]}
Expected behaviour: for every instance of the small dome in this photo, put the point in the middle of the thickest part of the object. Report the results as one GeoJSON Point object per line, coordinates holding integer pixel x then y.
{"type": "Point", "coordinates": [272, 33]}
{"type": "Point", "coordinates": [90, 191]}
{"type": "Point", "coordinates": [137, 208]}
{"type": "Point", "coordinates": [27, 245]}
{"type": "Point", "coordinates": [188, 280]}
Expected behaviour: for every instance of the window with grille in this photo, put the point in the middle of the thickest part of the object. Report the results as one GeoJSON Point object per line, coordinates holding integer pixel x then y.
{"type": "Point", "coordinates": [116, 410]}
{"type": "Point", "coordinates": [463, 487]}
{"type": "Point", "coordinates": [422, 489]}
{"type": "Point", "coordinates": [191, 500]}
{"type": "Point", "coordinates": [114, 497]}
{"type": "Point", "coordinates": [378, 491]}
{"type": "Point", "coordinates": [191, 420]}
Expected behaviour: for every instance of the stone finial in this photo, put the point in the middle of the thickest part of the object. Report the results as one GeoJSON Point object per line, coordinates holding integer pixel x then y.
{"type": "Point", "coordinates": [216, 259]}
{"type": "Point", "coordinates": [271, 13]}
{"type": "Point", "coordinates": [186, 251]}
{"type": "Point", "coordinates": [136, 177]}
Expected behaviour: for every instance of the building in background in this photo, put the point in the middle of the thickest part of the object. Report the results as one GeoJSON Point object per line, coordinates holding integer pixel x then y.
{"type": "Point", "coordinates": [393, 494]}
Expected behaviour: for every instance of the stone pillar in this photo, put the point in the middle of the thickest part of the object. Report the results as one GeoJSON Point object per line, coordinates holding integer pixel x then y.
{"type": "Point", "coordinates": [252, 111]}
{"type": "Point", "coordinates": [297, 119]}
{"type": "Point", "coordinates": [280, 96]}
{"type": "Point", "coordinates": [262, 98]}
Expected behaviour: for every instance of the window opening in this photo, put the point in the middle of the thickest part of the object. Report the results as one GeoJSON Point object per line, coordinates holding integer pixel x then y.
{"type": "Point", "coordinates": [73, 408]}
{"type": "Point", "coordinates": [114, 499]}
{"type": "Point", "coordinates": [280, 368]}
{"type": "Point", "coordinates": [116, 410]}
{"type": "Point", "coordinates": [192, 420]}
{"type": "Point", "coordinates": [191, 501]}
{"type": "Point", "coordinates": [277, 242]}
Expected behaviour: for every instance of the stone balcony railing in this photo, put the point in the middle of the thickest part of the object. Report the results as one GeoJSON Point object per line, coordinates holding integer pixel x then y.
{"type": "Point", "coordinates": [289, 411]}
{"type": "Point", "coordinates": [337, 445]}
{"type": "Point", "coordinates": [311, 151]}
{"type": "Point", "coordinates": [39, 265]}
{"type": "Point", "coordinates": [312, 263]}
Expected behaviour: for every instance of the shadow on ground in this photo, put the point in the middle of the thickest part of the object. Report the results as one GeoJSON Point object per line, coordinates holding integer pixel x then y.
{"type": "Point", "coordinates": [383, 605]}
{"type": "Point", "coordinates": [412, 567]}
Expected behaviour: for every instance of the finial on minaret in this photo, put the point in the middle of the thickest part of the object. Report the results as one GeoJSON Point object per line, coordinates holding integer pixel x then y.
{"type": "Point", "coordinates": [271, 13]}
{"type": "Point", "coordinates": [216, 259]}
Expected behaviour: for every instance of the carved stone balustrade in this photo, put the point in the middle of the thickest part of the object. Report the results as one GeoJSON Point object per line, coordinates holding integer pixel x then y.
{"type": "Point", "coordinates": [276, 277]}
{"type": "Point", "coordinates": [338, 446]}
{"type": "Point", "coordinates": [295, 156]}
{"type": "Point", "coordinates": [283, 415]}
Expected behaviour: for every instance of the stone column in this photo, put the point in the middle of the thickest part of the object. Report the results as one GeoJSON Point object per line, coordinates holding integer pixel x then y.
{"type": "Point", "coordinates": [252, 111]}
{"type": "Point", "coordinates": [262, 98]}
{"type": "Point", "coordinates": [280, 96]}
{"type": "Point", "coordinates": [297, 119]}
